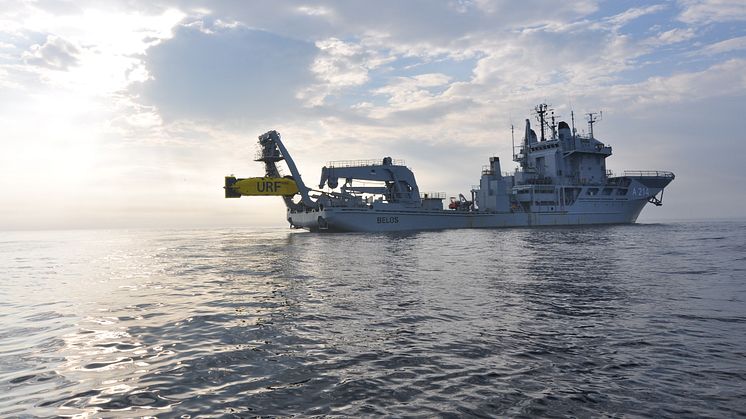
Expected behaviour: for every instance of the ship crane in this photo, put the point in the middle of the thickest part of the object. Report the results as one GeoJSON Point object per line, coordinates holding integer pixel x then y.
{"type": "Point", "coordinates": [460, 204]}
{"type": "Point", "coordinates": [272, 151]}
{"type": "Point", "coordinates": [561, 180]}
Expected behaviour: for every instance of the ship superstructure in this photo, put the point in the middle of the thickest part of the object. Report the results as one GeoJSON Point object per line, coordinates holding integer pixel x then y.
{"type": "Point", "coordinates": [561, 179]}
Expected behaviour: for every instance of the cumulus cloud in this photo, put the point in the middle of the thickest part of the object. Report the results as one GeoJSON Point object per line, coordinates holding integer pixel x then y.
{"type": "Point", "coordinates": [55, 53]}
{"type": "Point", "coordinates": [405, 93]}
{"type": "Point", "coordinates": [340, 65]}
{"type": "Point", "coordinates": [226, 71]}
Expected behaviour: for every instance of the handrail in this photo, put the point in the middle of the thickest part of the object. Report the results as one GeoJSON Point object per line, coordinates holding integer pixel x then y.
{"type": "Point", "coordinates": [537, 188]}
{"type": "Point", "coordinates": [656, 173]}
{"type": "Point", "coordinates": [362, 163]}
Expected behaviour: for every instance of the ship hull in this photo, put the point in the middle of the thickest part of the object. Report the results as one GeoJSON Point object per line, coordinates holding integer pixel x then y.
{"type": "Point", "coordinates": [382, 195]}
{"type": "Point", "coordinates": [377, 220]}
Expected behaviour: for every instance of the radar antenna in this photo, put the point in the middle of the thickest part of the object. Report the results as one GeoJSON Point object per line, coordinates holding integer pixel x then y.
{"type": "Point", "coordinates": [541, 110]}
{"type": "Point", "coordinates": [592, 118]}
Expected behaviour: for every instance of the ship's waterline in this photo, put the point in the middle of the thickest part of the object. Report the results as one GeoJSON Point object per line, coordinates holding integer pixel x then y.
{"type": "Point", "coordinates": [340, 220]}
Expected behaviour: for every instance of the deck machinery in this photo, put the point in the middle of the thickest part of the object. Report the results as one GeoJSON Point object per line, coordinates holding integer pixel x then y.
{"type": "Point", "coordinates": [561, 179]}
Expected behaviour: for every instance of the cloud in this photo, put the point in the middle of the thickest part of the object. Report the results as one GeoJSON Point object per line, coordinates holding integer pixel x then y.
{"type": "Point", "coordinates": [535, 60]}
{"type": "Point", "coordinates": [733, 44]}
{"type": "Point", "coordinates": [675, 36]}
{"type": "Point", "coordinates": [340, 65]}
{"type": "Point", "coordinates": [435, 23]}
{"type": "Point", "coordinates": [56, 53]}
{"type": "Point", "coordinates": [410, 93]}
{"type": "Point", "coordinates": [226, 71]}
{"type": "Point", "coordinates": [709, 11]}
{"type": "Point", "coordinates": [629, 15]}
{"type": "Point", "coordinates": [720, 80]}
{"type": "Point", "coordinates": [177, 90]}
{"type": "Point", "coordinates": [372, 46]}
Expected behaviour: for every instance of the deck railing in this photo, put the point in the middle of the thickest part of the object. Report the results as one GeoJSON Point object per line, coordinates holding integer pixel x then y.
{"type": "Point", "coordinates": [362, 163]}
{"type": "Point", "coordinates": [653, 173]}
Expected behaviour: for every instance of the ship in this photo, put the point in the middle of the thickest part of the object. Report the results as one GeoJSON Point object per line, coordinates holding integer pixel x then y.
{"type": "Point", "coordinates": [560, 179]}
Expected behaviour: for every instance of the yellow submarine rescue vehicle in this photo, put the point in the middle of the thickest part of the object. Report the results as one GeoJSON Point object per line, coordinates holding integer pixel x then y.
{"type": "Point", "coordinates": [259, 186]}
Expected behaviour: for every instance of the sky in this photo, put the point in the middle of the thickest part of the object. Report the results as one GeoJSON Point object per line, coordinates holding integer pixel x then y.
{"type": "Point", "coordinates": [129, 114]}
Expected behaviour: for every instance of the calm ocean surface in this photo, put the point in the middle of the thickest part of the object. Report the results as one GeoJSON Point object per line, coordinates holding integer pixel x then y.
{"type": "Point", "coordinates": [637, 320]}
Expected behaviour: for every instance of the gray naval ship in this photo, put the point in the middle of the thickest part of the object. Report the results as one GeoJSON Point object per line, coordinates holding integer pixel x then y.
{"type": "Point", "coordinates": [561, 179]}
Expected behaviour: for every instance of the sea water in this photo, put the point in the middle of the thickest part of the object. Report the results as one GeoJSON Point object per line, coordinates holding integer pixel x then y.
{"type": "Point", "coordinates": [638, 320]}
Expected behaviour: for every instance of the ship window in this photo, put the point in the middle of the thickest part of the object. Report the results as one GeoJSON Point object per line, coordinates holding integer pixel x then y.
{"type": "Point", "coordinates": [606, 191]}
{"type": "Point", "coordinates": [592, 191]}
{"type": "Point", "coordinates": [621, 192]}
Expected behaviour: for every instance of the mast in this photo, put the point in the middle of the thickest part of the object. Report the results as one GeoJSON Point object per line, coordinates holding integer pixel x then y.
{"type": "Point", "coordinates": [526, 146]}
{"type": "Point", "coordinates": [592, 117]}
{"type": "Point", "coordinates": [541, 109]}
{"type": "Point", "coordinates": [572, 117]}
{"type": "Point", "coordinates": [512, 139]}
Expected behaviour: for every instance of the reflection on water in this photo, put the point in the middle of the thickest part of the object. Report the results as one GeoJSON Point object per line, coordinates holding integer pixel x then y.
{"type": "Point", "coordinates": [640, 320]}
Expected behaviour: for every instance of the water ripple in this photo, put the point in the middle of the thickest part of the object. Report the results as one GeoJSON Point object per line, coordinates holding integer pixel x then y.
{"type": "Point", "coordinates": [642, 320]}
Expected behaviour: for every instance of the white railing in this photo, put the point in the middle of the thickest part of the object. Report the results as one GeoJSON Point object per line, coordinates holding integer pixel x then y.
{"type": "Point", "coordinates": [655, 173]}
{"type": "Point", "coordinates": [362, 163]}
